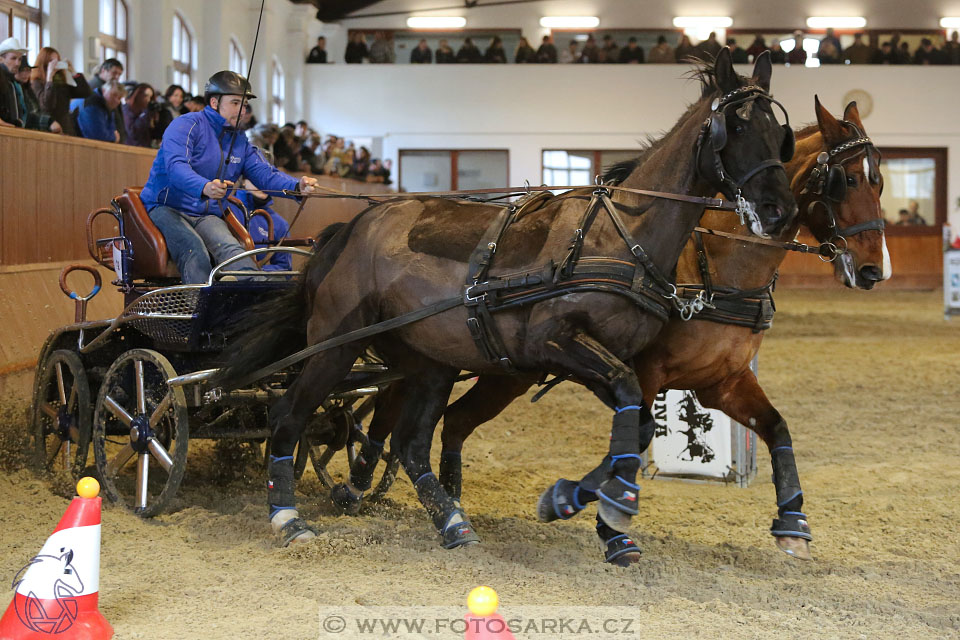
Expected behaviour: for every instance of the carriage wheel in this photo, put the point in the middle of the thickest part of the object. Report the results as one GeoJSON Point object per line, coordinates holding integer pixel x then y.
{"type": "Point", "coordinates": [61, 414]}
{"type": "Point", "coordinates": [139, 420]}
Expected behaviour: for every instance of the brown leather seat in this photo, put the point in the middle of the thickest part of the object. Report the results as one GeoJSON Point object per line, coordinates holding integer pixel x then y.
{"type": "Point", "coordinates": [150, 257]}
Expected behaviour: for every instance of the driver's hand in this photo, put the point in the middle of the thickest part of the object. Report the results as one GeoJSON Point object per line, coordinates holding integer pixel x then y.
{"type": "Point", "coordinates": [216, 189]}
{"type": "Point", "coordinates": [308, 184]}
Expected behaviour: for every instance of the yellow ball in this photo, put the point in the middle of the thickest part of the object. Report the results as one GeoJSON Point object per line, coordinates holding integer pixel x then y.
{"type": "Point", "coordinates": [88, 487]}
{"type": "Point", "coordinates": [483, 602]}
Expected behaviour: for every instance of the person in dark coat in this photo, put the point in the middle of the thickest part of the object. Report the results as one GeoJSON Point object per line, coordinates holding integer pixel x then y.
{"type": "Point", "coordinates": [36, 119]}
{"type": "Point", "coordinates": [469, 53]}
{"type": "Point", "coordinates": [758, 46]}
{"type": "Point", "coordinates": [318, 55]}
{"type": "Point", "coordinates": [611, 52]}
{"type": "Point", "coordinates": [55, 84]}
{"type": "Point", "coordinates": [927, 53]}
{"type": "Point", "coordinates": [495, 53]}
{"type": "Point", "coordinates": [524, 53]}
{"type": "Point", "coordinates": [951, 50]}
{"type": "Point", "coordinates": [356, 49]}
{"type": "Point", "coordinates": [12, 105]}
{"type": "Point", "coordinates": [547, 53]}
{"type": "Point", "coordinates": [140, 114]}
{"type": "Point", "coordinates": [737, 53]}
{"type": "Point", "coordinates": [777, 55]}
{"type": "Point", "coordinates": [685, 49]}
{"type": "Point", "coordinates": [709, 48]}
{"type": "Point", "coordinates": [97, 118]}
{"type": "Point", "coordinates": [632, 53]}
{"type": "Point", "coordinates": [421, 54]}
{"type": "Point", "coordinates": [445, 54]}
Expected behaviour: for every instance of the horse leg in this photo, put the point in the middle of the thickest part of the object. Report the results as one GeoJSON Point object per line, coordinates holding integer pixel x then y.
{"type": "Point", "coordinates": [743, 400]}
{"type": "Point", "coordinates": [348, 496]}
{"type": "Point", "coordinates": [289, 417]}
{"type": "Point", "coordinates": [485, 400]}
{"type": "Point", "coordinates": [614, 481]}
{"type": "Point", "coordinates": [424, 402]}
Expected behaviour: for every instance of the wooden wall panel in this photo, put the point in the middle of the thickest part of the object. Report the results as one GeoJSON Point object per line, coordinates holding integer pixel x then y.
{"type": "Point", "coordinates": [321, 212]}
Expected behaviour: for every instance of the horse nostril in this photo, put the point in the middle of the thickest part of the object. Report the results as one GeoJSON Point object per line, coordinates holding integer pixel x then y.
{"type": "Point", "coordinates": [871, 272]}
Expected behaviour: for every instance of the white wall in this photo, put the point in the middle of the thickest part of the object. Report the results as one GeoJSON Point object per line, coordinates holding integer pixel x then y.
{"type": "Point", "coordinates": [530, 108]}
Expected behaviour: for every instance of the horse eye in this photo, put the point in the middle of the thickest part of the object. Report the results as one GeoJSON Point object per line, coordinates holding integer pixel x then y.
{"type": "Point", "coordinates": [738, 129]}
{"type": "Point", "coordinates": [851, 181]}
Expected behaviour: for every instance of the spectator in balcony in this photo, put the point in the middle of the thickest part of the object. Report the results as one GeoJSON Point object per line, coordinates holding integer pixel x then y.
{"type": "Point", "coordinates": [951, 50]}
{"type": "Point", "coordinates": [111, 69]}
{"type": "Point", "coordinates": [633, 53]}
{"type": "Point", "coordinates": [356, 49]}
{"type": "Point", "coordinates": [685, 49]}
{"type": "Point", "coordinates": [797, 55]}
{"type": "Point", "coordinates": [55, 84]}
{"type": "Point", "coordinates": [611, 52]}
{"type": "Point", "coordinates": [709, 48]}
{"type": "Point", "coordinates": [858, 52]}
{"type": "Point", "coordinates": [524, 52]}
{"type": "Point", "coordinates": [380, 171]}
{"type": "Point", "coordinates": [903, 54]}
{"type": "Point", "coordinates": [381, 51]}
{"type": "Point", "coordinates": [927, 53]}
{"type": "Point", "coordinates": [777, 56]}
{"type": "Point", "coordinates": [884, 55]}
{"type": "Point", "coordinates": [445, 54]}
{"type": "Point", "coordinates": [421, 54]}
{"type": "Point", "coordinates": [495, 53]}
{"type": "Point", "coordinates": [547, 53]}
{"type": "Point", "coordinates": [832, 57]}
{"type": "Point", "coordinates": [36, 118]}
{"type": "Point", "coordinates": [361, 164]}
{"type": "Point", "coordinates": [570, 54]}
{"type": "Point", "coordinates": [758, 46]}
{"type": "Point", "coordinates": [662, 53]}
{"type": "Point", "coordinates": [318, 55]}
{"type": "Point", "coordinates": [140, 114]}
{"type": "Point", "coordinates": [591, 52]}
{"type": "Point", "coordinates": [97, 118]}
{"type": "Point", "coordinates": [737, 53]}
{"type": "Point", "coordinates": [469, 53]}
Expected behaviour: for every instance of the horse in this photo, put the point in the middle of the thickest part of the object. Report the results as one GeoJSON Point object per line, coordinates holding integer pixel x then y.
{"type": "Point", "coordinates": [836, 165]}
{"type": "Point", "coordinates": [411, 254]}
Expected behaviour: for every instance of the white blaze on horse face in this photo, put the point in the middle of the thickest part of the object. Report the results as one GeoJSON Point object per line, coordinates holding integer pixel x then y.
{"type": "Point", "coordinates": [849, 275]}
{"type": "Point", "coordinates": [887, 267]}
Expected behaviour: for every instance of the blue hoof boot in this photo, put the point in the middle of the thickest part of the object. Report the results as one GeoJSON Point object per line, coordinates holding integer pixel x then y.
{"type": "Point", "coordinates": [346, 499]}
{"type": "Point", "coordinates": [458, 534]}
{"type": "Point", "coordinates": [560, 502]}
{"type": "Point", "coordinates": [621, 551]}
{"type": "Point", "coordinates": [618, 503]}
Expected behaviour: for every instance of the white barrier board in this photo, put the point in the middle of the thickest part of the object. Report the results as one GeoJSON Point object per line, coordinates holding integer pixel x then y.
{"type": "Point", "coordinates": [690, 439]}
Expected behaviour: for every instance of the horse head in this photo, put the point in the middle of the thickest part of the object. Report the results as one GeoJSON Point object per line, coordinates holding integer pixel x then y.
{"type": "Point", "coordinates": [742, 147]}
{"type": "Point", "coordinates": [841, 201]}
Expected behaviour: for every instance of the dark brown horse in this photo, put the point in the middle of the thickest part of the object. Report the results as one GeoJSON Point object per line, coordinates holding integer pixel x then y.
{"type": "Point", "coordinates": [403, 256]}
{"type": "Point", "coordinates": [710, 357]}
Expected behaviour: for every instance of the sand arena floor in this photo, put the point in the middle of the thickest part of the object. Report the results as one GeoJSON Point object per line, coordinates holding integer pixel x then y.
{"type": "Point", "coordinates": [868, 382]}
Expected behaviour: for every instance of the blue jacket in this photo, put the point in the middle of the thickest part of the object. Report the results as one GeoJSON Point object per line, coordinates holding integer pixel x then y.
{"type": "Point", "coordinates": [193, 148]}
{"type": "Point", "coordinates": [95, 120]}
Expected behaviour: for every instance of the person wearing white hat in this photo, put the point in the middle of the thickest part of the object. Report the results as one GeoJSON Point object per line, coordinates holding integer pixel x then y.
{"type": "Point", "coordinates": [12, 106]}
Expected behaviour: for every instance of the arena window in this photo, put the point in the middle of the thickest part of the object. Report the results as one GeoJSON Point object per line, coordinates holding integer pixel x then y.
{"type": "Point", "coordinates": [183, 62]}
{"type": "Point", "coordinates": [238, 61]}
{"type": "Point", "coordinates": [113, 31]}
{"type": "Point", "coordinates": [23, 20]}
{"type": "Point", "coordinates": [576, 167]}
{"type": "Point", "coordinates": [446, 169]}
{"type": "Point", "coordinates": [915, 182]}
{"type": "Point", "coordinates": [277, 92]}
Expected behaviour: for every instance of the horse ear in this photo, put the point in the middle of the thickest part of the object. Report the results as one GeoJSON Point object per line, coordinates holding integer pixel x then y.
{"type": "Point", "coordinates": [852, 114]}
{"type": "Point", "coordinates": [830, 127]}
{"type": "Point", "coordinates": [69, 557]}
{"type": "Point", "coordinates": [762, 70]}
{"type": "Point", "coordinates": [726, 77]}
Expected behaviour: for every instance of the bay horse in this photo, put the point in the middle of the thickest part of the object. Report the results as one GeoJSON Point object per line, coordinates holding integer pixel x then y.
{"type": "Point", "coordinates": [406, 255]}
{"type": "Point", "coordinates": [835, 165]}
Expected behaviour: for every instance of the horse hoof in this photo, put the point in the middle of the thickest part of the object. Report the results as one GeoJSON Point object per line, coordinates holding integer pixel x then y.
{"type": "Point", "coordinates": [794, 547]}
{"type": "Point", "coordinates": [626, 559]}
{"type": "Point", "coordinates": [558, 502]}
{"type": "Point", "coordinates": [345, 499]}
{"type": "Point", "coordinates": [613, 517]}
{"type": "Point", "coordinates": [460, 534]}
{"type": "Point", "coordinates": [296, 531]}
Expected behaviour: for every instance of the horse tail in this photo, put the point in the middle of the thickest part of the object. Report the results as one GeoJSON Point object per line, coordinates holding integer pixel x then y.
{"type": "Point", "coordinates": [277, 327]}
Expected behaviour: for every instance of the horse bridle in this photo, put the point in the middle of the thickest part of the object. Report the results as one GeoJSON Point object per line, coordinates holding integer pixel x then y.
{"type": "Point", "coordinates": [714, 128]}
{"type": "Point", "coordinates": [828, 181]}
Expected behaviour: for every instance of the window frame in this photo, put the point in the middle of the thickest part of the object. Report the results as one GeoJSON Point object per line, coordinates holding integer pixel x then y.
{"type": "Point", "coordinates": [940, 157]}
{"type": "Point", "coordinates": [10, 9]}
{"type": "Point", "coordinates": [114, 42]}
{"type": "Point", "coordinates": [234, 49]}
{"type": "Point", "coordinates": [277, 100]}
{"type": "Point", "coordinates": [182, 68]}
{"type": "Point", "coordinates": [454, 162]}
{"type": "Point", "coordinates": [596, 160]}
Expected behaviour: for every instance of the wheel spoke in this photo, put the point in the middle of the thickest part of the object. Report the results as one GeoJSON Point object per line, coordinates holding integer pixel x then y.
{"type": "Point", "coordinates": [48, 409]}
{"type": "Point", "coordinates": [72, 400]}
{"type": "Point", "coordinates": [119, 412]}
{"type": "Point", "coordinates": [161, 409]}
{"type": "Point", "coordinates": [122, 457]}
{"type": "Point", "coordinates": [66, 456]}
{"type": "Point", "coordinates": [160, 454]}
{"type": "Point", "coordinates": [74, 433]}
{"type": "Point", "coordinates": [141, 395]}
{"type": "Point", "coordinates": [53, 456]}
{"type": "Point", "coordinates": [143, 469]}
{"type": "Point", "coordinates": [60, 388]}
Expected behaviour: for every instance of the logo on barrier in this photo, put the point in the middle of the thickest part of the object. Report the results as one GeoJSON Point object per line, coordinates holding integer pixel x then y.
{"type": "Point", "coordinates": [58, 615]}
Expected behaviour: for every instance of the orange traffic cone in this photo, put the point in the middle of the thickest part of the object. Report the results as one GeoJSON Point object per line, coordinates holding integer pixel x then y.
{"type": "Point", "coordinates": [483, 621]}
{"type": "Point", "coordinates": [57, 592]}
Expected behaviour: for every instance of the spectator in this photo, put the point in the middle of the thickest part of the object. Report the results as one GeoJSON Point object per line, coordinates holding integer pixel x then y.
{"type": "Point", "coordinates": [632, 53]}
{"type": "Point", "coordinates": [12, 104]}
{"type": "Point", "coordinates": [884, 55]}
{"type": "Point", "coordinates": [709, 48]}
{"type": "Point", "coordinates": [547, 53]}
{"type": "Point", "coordinates": [286, 149]}
{"type": "Point", "coordinates": [356, 49]}
{"type": "Point", "coordinates": [380, 171]}
{"type": "Point", "coordinates": [951, 50]}
{"type": "Point", "coordinates": [758, 46]}
{"type": "Point", "coordinates": [685, 49]}
{"type": "Point", "coordinates": [170, 104]}
{"type": "Point", "coordinates": [36, 118]}
{"type": "Point", "coordinates": [264, 136]}
{"type": "Point", "coordinates": [570, 54]}
{"type": "Point", "coordinates": [777, 56]}
{"type": "Point", "coordinates": [194, 104]}
{"type": "Point", "coordinates": [495, 53]}
{"type": "Point", "coordinates": [914, 212]}
{"type": "Point", "coordinates": [469, 53]}
{"type": "Point", "coordinates": [381, 51]}
{"type": "Point", "coordinates": [318, 55]}
{"type": "Point", "coordinates": [445, 54]}
{"type": "Point", "coordinates": [858, 53]}
{"type": "Point", "coordinates": [97, 118]}
{"type": "Point", "coordinates": [524, 52]}
{"type": "Point", "coordinates": [610, 49]}
{"type": "Point", "coordinates": [662, 53]}
{"type": "Point", "coordinates": [140, 114]}
{"type": "Point", "coordinates": [826, 54]}
{"type": "Point", "coordinates": [311, 152]}
{"type": "Point", "coordinates": [797, 55]}
{"type": "Point", "coordinates": [591, 52]}
{"type": "Point", "coordinates": [361, 164]}
{"type": "Point", "coordinates": [301, 131]}
{"type": "Point", "coordinates": [111, 69]}
{"type": "Point", "coordinates": [421, 54]}
{"type": "Point", "coordinates": [903, 54]}
{"type": "Point", "coordinates": [737, 53]}
{"type": "Point", "coordinates": [55, 84]}
{"type": "Point", "coordinates": [926, 54]}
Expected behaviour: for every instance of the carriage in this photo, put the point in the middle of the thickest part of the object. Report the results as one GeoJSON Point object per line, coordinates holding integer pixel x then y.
{"type": "Point", "coordinates": [135, 387]}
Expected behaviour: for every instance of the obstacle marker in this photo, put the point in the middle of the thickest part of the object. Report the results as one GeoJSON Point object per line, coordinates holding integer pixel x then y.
{"type": "Point", "coordinates": [57, 591]}
{"type": "Point", "coordinates": [483, 621]}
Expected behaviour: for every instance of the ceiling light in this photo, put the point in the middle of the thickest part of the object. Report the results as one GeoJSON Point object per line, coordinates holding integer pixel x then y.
{"type": "Point", "coordinates": [852, 22]}
{"type": "Point", "coordinates": [436, 22]}
{"type": "Point", "coordinates": [950, 22]}
{"type": "Point", "coordinates": [703, 22]}
{"type": "Point", "coordinates": [569, 22]}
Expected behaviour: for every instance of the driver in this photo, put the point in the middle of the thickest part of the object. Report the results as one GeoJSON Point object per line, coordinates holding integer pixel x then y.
{"type": "Point", "coordinates": [192, 174]}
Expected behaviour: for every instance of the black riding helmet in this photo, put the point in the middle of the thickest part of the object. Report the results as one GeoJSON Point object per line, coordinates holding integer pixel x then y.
{"type": "Point", "coordinates": [227, 83]}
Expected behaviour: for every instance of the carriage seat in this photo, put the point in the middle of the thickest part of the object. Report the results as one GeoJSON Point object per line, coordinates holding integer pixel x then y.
{"type": "Point", "coordinates": [151, 260]}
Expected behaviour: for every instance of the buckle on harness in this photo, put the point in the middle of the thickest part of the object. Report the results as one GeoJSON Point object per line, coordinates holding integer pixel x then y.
{"type": "Point", "coordinates": [472, 300]}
